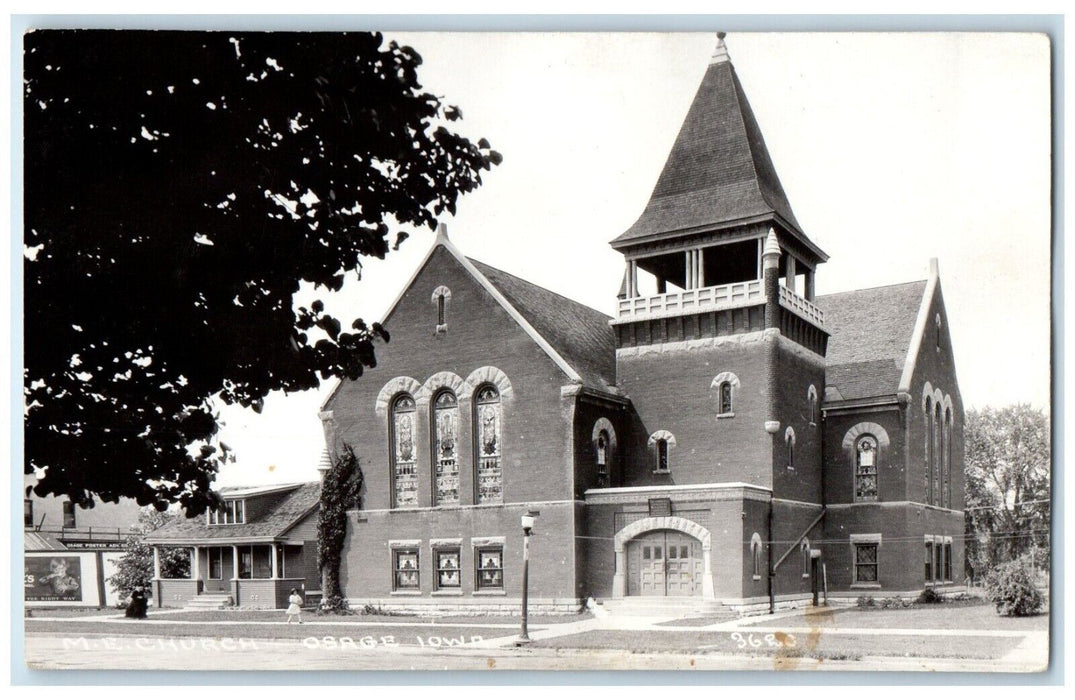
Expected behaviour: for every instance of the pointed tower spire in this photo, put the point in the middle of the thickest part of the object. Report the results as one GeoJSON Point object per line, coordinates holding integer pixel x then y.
{"type": "Point", "coordinates": [719, 174]}
{"type": "Point", "coordinates": [720, 53]}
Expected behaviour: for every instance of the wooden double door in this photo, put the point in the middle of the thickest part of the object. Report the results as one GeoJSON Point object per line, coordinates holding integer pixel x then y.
{"type": "Point", "coordinates": [664, 563]}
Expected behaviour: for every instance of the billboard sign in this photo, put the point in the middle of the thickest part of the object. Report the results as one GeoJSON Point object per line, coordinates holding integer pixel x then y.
{"type": "Point", "coordinates": [53, 578]}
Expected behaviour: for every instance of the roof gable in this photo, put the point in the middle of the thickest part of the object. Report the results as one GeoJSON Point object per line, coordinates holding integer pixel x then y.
{"type": "Point", "coordinates": [871, 338]}
{"type": "Point", "coordinates": [719, 171]}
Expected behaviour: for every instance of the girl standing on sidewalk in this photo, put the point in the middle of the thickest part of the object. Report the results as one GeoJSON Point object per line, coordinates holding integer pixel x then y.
{"type": "Point", "coordinates": [295, 607]}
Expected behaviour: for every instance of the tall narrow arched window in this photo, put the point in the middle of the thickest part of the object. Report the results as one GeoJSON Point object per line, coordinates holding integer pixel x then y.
{"type": "Point", "coordinates": [441, 296]}
{"type": "Point", "coordinates": [938, 451]}
{"type": "Point", "coordinates": [662, 455]}
{"type": "Point", "coordinates": [725, 398]}
{"type": "Point", "coordinates": [929, 451]}
{"type": "Point", "coordinates": [440, 310]}
{"type": "Point", "coordinates": [811, 399]}
{"type": "Point", "coordinates": [602, 446]}
{"type": "Point", "coordinates": [866, 461]}
{"type": "Point", "coordinates": [487, 414]}
{"type": "Point", "coordinates": [445, 449]}
{"type": "Point", "coordinates": [789, 442]}
{"type": "Point", "coordinates": [755, 556]}
{"type": "Point", "coordinates": [404, 458]}
{"type": "Point", "coordinates": [804, 553]}
{"type": "Point", "coordinates": [948, 457]}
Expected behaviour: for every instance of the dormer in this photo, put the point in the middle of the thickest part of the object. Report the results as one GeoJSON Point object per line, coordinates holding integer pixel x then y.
{"type": "Point", "coordinates": [233, 512]}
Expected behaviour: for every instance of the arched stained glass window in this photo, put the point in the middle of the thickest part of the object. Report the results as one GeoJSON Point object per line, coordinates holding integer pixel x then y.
{"type": "Point", "coordinates": [487, 409]}
{"type": "Point", "coordinates": [445, 449]}
{"type": "Point", "coordinates": [929, 451]}
{"type": "Point", "coordinates": [404, 473]}
{"type": "Point", "coordinates": [938, 451]}
{"type": "Point", "coordinates": [866, 468]}
{"type": "Point", "coordinates": [948, 458]}
{"type": "Point", "coordinates": [602, 447]}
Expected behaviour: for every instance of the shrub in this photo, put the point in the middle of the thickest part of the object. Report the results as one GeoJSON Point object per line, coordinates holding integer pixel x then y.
{"type": "Point", "coordinates": [865, 601]}
{"type": "Point", "coordinates": [894, 604]}
{"type": "Point", "coordinates": [336, 605]}
{"type": "Point", "coordinates": [1011, 588]}
{"type": "Point", "coordinates": [930, 596]}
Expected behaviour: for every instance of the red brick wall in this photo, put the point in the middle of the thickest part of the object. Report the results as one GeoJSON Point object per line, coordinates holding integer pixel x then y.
{"type": "Point", "coordinates": [892, 463]}
{"type": "Point", "coordinates": [797, 370]}
{"type": "Point", "coordinates": [536, 433]}
{"type": "Point", "coordinates": [671, 390]}
{"type": "Point", "coordinates": [366, 571]}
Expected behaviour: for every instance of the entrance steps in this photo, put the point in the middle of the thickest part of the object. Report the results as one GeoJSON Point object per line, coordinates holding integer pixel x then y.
{"type": "Point", "coordinates": [209, 601]}
{"type": "Point", "coordinates": [645, 606]}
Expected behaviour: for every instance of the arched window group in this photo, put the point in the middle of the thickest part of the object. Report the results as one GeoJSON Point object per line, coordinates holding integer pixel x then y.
{"type": "Point", "coordinates": [445, 445]}
{"type": "Point", "coordinates": [938, 448]}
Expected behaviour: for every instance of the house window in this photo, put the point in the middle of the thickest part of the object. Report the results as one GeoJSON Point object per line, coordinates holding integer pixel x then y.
{"type": "Point", "coordinates": [865, 562]}
{"type": "Point", "coordinates": [68, 514]}
{"type": "Point", "coordinates": [216, 563]}
{"type": "Point", "coordinates": [487, 410]}
{"type": "Point", "coordinates": [231, 513]}
{"type": "Point", "coordinates": [445, 449]}
{"type": "Point", "coordinates": [405, 569]}
{"type": "Point", "coordinates": [866, 468]}
{"type": "Point", "coordinates": [404, 468]}
{"type": "Point", "coordinates": [490, 563]}
{"type": "Point", "coordinates": [448, 577]}
{"type": "Point", "coordinates": [27, 513]}
{"type": "Point", "coordinates": [725, 398]}
{"type": "Point", "coordinates": [601, 447]}
{"type": "Point", "coordinates": [755, 556]}
{"type": "Point", "coordinates": [255, 561]}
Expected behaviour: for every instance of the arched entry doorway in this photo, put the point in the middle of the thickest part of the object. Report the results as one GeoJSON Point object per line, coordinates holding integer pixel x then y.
{"type": "Point", "coordinates": [664, 563]}
{"type": "Point", "coordinates": [646, 563]}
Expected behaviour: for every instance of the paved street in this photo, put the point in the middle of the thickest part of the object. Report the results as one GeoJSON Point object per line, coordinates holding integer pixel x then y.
{"type": "Point", "coordinates": [740, 644]}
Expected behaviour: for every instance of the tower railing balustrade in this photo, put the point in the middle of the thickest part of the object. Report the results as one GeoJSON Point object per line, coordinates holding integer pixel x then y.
{"type": "Point", "coordinates": [724, 296]}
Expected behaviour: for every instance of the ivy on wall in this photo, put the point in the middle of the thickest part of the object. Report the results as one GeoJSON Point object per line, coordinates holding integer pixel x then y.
{"type": "Point", "coordinates": [340, 491]}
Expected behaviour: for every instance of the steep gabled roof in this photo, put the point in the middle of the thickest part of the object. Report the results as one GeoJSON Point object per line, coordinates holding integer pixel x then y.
{"type": "Point", "coordinates": [872, 332]}
{"type": "Point", "coordinates": [581, 335]}
{"type": "Point", "coordinates": [718, 172]}
{"type": "Point", "coordinates": [274, 522]}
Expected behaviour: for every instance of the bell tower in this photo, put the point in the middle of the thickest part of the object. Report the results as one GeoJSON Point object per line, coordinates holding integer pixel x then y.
{"type": "Point", "coordinates": [719, 342]}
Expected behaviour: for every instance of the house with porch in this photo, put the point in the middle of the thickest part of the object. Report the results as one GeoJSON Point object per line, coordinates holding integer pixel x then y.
{"type": "Point", "coordinates": [250, 553]}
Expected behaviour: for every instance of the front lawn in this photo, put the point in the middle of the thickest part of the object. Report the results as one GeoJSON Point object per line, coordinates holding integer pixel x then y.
{"type": "Point", "coordinates": [71, 612]}
{"type": "Point", "coordinates": [782, 646]}
{"type": "Point", "coordinates": [980, 616]}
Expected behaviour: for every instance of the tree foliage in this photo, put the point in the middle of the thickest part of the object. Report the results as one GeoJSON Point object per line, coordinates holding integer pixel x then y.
{"type": "Point", "coordinates": [135, 567]}
{"type": "Point", "coordinates": [178, 188]}
{"type": "Point", "coordinates": [341, 490]}
{"type": "Point", "coordinates": [1008, 485]}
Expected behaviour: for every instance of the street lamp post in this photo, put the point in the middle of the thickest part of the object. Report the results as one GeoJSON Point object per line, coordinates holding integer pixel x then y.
{"type": "Point", "coordinates": [528, 528]}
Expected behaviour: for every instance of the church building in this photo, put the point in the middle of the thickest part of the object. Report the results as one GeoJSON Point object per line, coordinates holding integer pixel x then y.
{"type": "Point", "coordinates": [728, 438]}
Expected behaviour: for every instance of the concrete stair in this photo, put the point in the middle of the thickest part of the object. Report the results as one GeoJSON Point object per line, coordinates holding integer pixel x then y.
{"type": "Point", "coordinates": [644, 606]}
{"type": "Point", "coordinates": [209, 601]}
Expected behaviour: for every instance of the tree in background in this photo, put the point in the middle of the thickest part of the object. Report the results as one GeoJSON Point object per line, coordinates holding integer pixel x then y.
{"type": "Point", "coordinates": [341, 490]}
{"type": "Point", "coordinates": [179, 186]}
{"type": "Point", "coordinates": [1008, 486]}
{"type": "Point", "coordinates": [135, 567]}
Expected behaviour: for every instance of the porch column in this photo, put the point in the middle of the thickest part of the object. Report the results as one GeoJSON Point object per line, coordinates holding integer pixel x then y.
{"type": "Point", "coordinates": [275, 561]}
{"type": "Point", "coordinates": [707, 573]}
{"type": "Point", "coordinates": [195, 565]}
{"type": "Point", "coordinates": [791, 272]}
{"type": "Point", "coordinates": [689, 267]}
{"type": "Point", "coordinates": [619, 577]}
{"type": "Point", "coordinates": [632, 279]}
{"type": "Point", "coordinates": [235, 562]}
{"type": "Point", "coordinates": [808, 290]}
{"type": "Point", "coordinates": [156, 562]}
{"type": "Point", "coordinates": [699, 265]}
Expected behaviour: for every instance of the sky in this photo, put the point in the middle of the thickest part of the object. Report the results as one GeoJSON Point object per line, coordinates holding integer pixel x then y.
{"type": "Point", "coordinates": [892, 149]}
